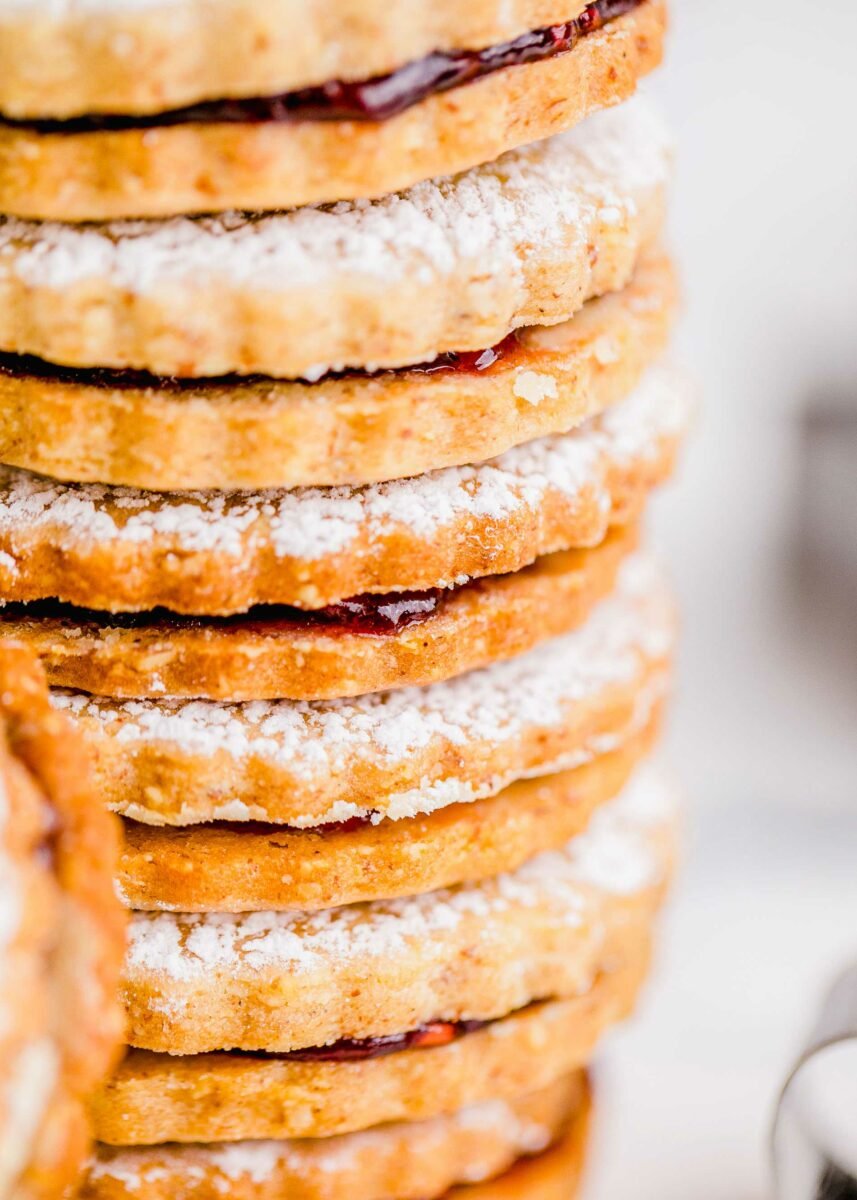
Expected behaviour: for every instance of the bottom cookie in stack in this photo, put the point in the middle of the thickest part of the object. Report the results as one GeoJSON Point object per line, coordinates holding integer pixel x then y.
{"type": "Point", "coordinates": [61, 939]}
{"type": "Point", "coordinates": [391, 1048]}
{"type": "Point", "coordinates": [528, 1148]}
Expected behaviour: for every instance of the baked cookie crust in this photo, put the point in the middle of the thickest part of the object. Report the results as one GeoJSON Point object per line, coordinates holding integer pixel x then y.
{"type": "Point", "coordinates": [203, 168]}
{"type": "Point", "coordinates": [215, 554]}
{"type": "Point", "coordinates": [270, 655]}
{"type": "Point", "coordinates": [341, 430]}
{"type": "Point", "coordinates": [382, 284]}
{"type": "Point", "coordinates": [256, 868]}
{"type": "Point", "coordinates": [410, 1160]}
{"type": "Point", "coordinates": [68, 60]}
{"type": "Point", "coordinates": [156, 1098]}
{"type": "Point", "coordinates": [395, 754]}
{"type": "Point", "coordinates": [284, 981]}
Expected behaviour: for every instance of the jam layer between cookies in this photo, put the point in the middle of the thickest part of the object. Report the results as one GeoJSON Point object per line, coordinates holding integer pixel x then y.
{"type": "Point", "coordinates": [366, 614]}
{"type": "Point", "coordinates": [459, 362]}
{"type": "Point", "coordinates": [424, 1037]}
{"type": "Point", "coordinates": [375, 99]}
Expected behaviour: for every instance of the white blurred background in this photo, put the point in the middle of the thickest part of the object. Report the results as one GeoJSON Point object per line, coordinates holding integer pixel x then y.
{"type": "Point", "coordinates": [761, 536]}
{"type": "Point", "coordinates": [763, 96]}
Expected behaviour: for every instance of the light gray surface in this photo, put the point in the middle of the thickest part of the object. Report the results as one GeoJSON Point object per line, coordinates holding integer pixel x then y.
{"type": "Point", "coordinates": [762, 97]}
{"type": "Point", "coordinates": [763, 919]}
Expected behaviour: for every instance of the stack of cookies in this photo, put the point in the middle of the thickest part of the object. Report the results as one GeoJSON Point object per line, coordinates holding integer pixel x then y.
{"type": "Point", "coordinates": [331, 396]}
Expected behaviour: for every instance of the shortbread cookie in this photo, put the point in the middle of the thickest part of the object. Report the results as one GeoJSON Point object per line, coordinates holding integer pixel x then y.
{"type": "Point", "coordinates": [157, 1098]}
{"type": "Point", "coordinates": [212, 554]}
{"type": "Point", "coordinates": [394, 754]}
{"type": "Point", "coordinates": [122, 428]}
{"type": "Point", "coordinates": [379, 284]}
{"type": "Point", "coordinates": [70, 59]}
{"type": "Point", "coordinates": [61, 938]}
{"type": "Point", "coordinates": [410, 1160]}
{"type": "Point", "coordinates": [367, 644]}
{"type": "Point", "coordinates": [255, 868]}
{"type": "Point", "coordinates": [284, 981]}
{"type": "Point", "coordinates": [207, 161]}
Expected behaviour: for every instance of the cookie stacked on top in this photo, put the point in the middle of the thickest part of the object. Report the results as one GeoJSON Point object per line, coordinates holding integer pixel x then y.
{"type": "Point", "coordinates": [331, 397]}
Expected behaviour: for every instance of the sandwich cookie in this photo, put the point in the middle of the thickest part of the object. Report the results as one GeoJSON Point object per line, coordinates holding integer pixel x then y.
{"type": "Point", "coordinates": [124, 427]}
{"type": "Point", "coordinates": [335, 141]}
{"type": "Point", "coordinates": [61, 938]}
{"type": "Point", "coordinates": [253, 868]}
{"type": "Point", "coordinates": [67, 60]}
{"type": "Point", "coordinates": [332, 1090]}
{"type": "Point", "coordinates": [409, 1160]}
{"type": "Point", "coordinates": [204, 553]}
{"type": "Point", "coordinates": [391, 754]}
{"type": "Point", "coordinates": [387, 283]}
{"type": "Point", "coordinates": [281, 982]}
{"type": "Point", "coordinates": [366, 644]}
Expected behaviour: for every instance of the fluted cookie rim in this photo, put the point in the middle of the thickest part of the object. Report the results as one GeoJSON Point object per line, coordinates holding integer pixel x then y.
{"type": "Point", "coordinates": [210, 168]}
{"type": "Point", "coordinates": [353, 431]}
{"type": "Point", "coordinates": [217, 554]}
{"type": "Point", "coordinates": [279, 982]}
{"type": "Point", "coordinates": [243, 1174]}
{"type": "Point", "coordinates": [67, 63]}
{"type": "Point", "coordinates": [394, 754]}
{"type": "Point", "coordinates": [242, 868]}
{"type": "Point", "coordinates": [378, 284]}
{"type": "Point", "coordinates": [155, 1098]}
{"type": "Point", "coordinates": [272, 654]}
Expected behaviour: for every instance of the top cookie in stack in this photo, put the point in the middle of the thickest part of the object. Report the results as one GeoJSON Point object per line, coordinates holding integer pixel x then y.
{"type": "Point", "coordinates": [321, 511]}
{"type": "Point", "coordinates": [152, 109]}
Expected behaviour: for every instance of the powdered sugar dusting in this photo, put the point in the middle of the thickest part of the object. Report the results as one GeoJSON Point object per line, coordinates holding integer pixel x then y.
{"type": "Point", "coordinates": [530, 197]}
{"type": "Point", "coordinates": [618, 854]}
{"type": "Point", "coordinates": [311, 523]}
{"type": "Point", "coordinates": [227, 1163]}
{"type": "Point", "coordinates": [319, 739]}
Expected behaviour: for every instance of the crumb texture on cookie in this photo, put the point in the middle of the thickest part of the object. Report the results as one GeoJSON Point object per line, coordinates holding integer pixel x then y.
{"type": "Point", "coordinates": [64, 58]}
{"type": "Point", "coordinates": [251, 166]}
{"type": "Point", "coordinates": [212, 553]}
{"type": "Point", "coordinates": [272, 653]}
{"type": "Point", "coordinates": [262, 868]}
{"type": "Point", "coordinates": [156, 1098]}
{"type": "Point", "coordinates": [378, 284]}
{"type": "Point", "coordinates": [409, 1160]}
{"type": "Point", "coordinates": [281, 981]}
{"type": "Point", "coordinates": [352, 429]}
{"type": "Point", "coordinates": [394, 754]}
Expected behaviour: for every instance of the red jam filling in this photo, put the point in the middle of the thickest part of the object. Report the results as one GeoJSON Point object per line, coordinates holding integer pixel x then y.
{"type": "Point", "coordinates": [367, 614]}
{"type": "Point", "coordinates": [465, 361]}
{"type": "Point", "coordinates": [381, 614]}
{"type": "Point", "coordinates": [437, 1033]}
{"type": "Point", "coordinates": [27, 366]}
{"type": "Point", "coordinates": [370, 99]}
